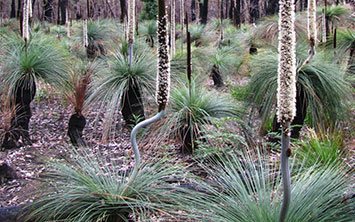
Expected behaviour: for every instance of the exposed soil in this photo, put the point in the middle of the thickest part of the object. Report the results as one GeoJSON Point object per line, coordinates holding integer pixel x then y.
{"type": "Point", "coordinates": [48, 128]}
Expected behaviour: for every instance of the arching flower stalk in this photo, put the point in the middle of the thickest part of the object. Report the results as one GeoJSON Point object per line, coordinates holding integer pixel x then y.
{"type": "Point", "coordinates": [26, 11]}
{"type": "Point", "coordinates": [312, 30]}
{"type": "Point", "coordinates": [172, 24]}
{"type": "Point", "coordinates": [163, 87]}
{"type": "Point", "coordinates": [131, 24]}
{"type": "Point", "coordinates": [286, 92]}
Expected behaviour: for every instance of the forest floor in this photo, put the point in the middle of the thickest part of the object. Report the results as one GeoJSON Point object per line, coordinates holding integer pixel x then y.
{"type": "Point", "coordinates": [48, 128]}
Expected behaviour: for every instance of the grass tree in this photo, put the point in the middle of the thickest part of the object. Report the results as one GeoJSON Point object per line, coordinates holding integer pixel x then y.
{"type": "Point", "coordinates": [90, 187]}
{"type": "Point", "coordinates": [286, 93]}
{"type": "Point", "coordinates": [24, 62]}
{"type": "Point", "coordinates": [246, 186]}
{"type": "Point", "coordinates": [322, 92]}
{"type": "Point", "coordinates": [92, 35]}
{"type": "Point", "coordinates": [149, 30]}
{"type": "Point", "coordinates": [120, 87]}
{"type": "Point", "coordinates": [191, 110]}
{"type": "Point", "coordinates": [76, 93]}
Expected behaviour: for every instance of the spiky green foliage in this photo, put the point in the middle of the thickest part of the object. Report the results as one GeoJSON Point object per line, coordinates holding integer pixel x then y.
{"type": "Point", "coordinates": [43, 59]}
{"type": "Point", "coordinates": [338, 15]}
{"type": "Point", "coordinates": [346, 40]}
{"type": "Point", "coordinates": [322, 81]}
{"type": "Point", "coordinates": [88, 187]}
{"type": "Point", "coordinates": [247, 187]}
{"type": "Point", "coordinates": [196, 110]}
{"type": "Point", "coordinates": [148, 28]}
{"type": "Point", "coordinates": [267, 30]}
{"type": "Point", "coordinates": [324, 147]}
{"type": "Point", "coordinates": [97, 31]}
{"type": "Point", "coordinates": [109, 85]}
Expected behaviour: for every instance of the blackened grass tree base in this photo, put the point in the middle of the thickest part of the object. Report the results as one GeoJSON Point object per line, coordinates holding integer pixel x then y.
{"type": "Point", "coordinates": [76, 126]}
{"type": "Point", "coordinates": [25, 93]}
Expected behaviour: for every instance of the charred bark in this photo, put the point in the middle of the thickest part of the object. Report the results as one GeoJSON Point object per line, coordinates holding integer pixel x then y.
{"type": "Point", "coordinates": [123, 10]}
{"type": "Point", "coordinates": [95, 49]}
{"type": "Point", "coordinates": [76, 126]}
{"type": "Point", "coordinates": [132, 104]}
{"type": "Point", "coordinates": [48, 10]}
{"type": "Point", "coordinates": [13, 9]}
{"type": "Point", "coordinates": [204, 11]}
{"type": "Point", "coordinates": [216, 76]}
{"type": "Point", "coordinates": [24, 94]}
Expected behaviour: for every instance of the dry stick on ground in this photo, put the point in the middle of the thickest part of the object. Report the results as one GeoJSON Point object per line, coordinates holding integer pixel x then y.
{"type": "Point", "coordinates": [162, 91]}
{"type": "Point", "coordinates": [286, 92]}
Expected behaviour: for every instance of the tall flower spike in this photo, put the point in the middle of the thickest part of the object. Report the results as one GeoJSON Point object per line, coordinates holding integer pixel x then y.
{"type": "Point", "coordinates": [286, 92]}
{"type": "Point", "coordinates": [163, 74]}
{"type": "Point", "coordinates": [131, 20]}
{"type": "Point", "coordinates": [85, 33]}
{"type": "Point", "coordinates": [172, 35]}
{"type": "Point", "coordinates": [311, 21]}
{"type": "Point", "coordinates": [25, 31]}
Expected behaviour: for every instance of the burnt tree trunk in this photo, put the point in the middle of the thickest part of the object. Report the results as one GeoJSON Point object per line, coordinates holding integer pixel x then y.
{"type": "Point", "coordinates": [76, 126]}
{"type": "Point", "coordinates": [193, 10]}
{"type": "Point", "coordinates": [123, 10]}
{"type": "Point", "coordinates": [13, 9]}
{"type": "Point", "coordinates": [132, 104]}
{"type": "Point", "coordinates": [204, 11]}
{"type": "Point", "coordinates": [48, 10]}
{"type": "Point", "coordinates": [63, 10]}
{"type": "Point", "coordinates": [216, 76]}
{"type": "Point", "coordinates": [19, 8]}
{"type": "Point", "coordinates": [25, 93]}
{"type": "Point", "coordinates": [272, 7]}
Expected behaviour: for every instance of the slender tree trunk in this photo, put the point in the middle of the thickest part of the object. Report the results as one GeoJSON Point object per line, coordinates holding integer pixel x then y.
{"type": "Point", "coordinates": [63, 11]}
{"type": "Point", "coordinates": [237, 14]}
{"type": "Point", "coordinates": [198, 17]}
{"type": "Point", "coordinates": [48, 10]}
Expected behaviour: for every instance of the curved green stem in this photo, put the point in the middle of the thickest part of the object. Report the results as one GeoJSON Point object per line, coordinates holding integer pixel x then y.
{"type": "Point", "coordinates": [285, 171]}
{"type": "Point", "coordinates": [133, 139]}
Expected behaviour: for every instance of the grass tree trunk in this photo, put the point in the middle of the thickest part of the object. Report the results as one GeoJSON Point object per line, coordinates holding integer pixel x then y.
{"type": "Point", "coordinates": [132, 104]}
{"type": "Point", "coordinates": [76, 126]}
{"type": "Point", "coordinates": [162, 91]}
{"type": "Point", "coordinates": [216, 76]}
{"type": "Point", "coordinates": [286, 95]}
{"type": "Point", "coordinates": [24, 95]}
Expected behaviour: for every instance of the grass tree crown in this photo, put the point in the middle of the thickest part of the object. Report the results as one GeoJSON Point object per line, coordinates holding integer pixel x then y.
{"type": "Point", "coordinates": [163, 74]}
{"type": "Point", "coordinates": [286, 92]}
